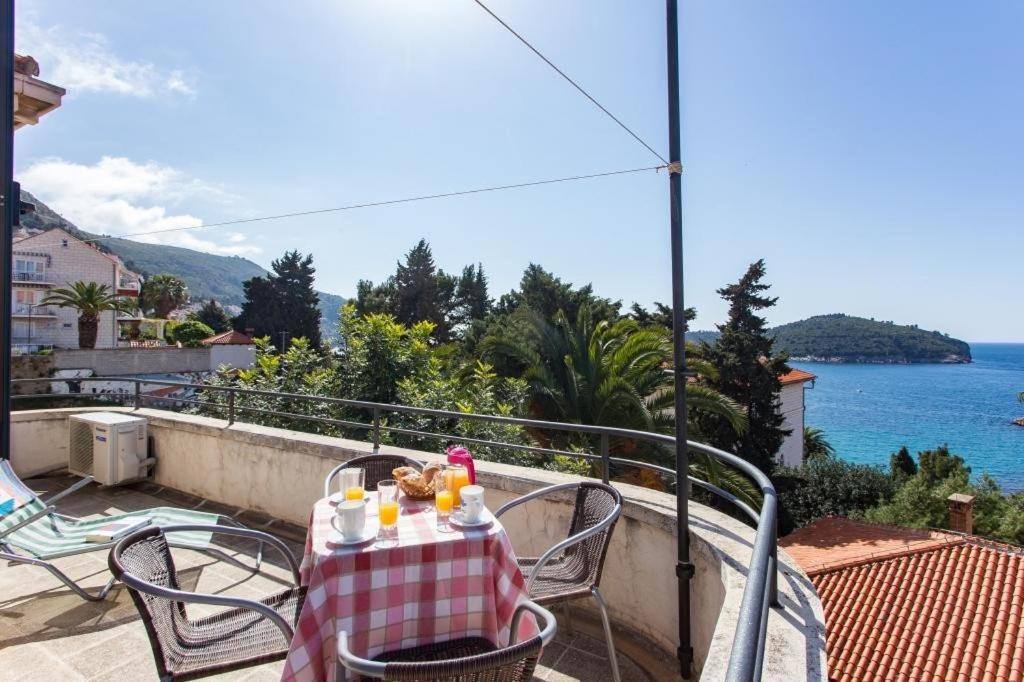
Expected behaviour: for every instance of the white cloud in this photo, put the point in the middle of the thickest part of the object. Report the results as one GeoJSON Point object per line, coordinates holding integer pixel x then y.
{"type": "Point", "coordinates": [84, 62]}
{"type": "Point", "coordinates": [118, 196]}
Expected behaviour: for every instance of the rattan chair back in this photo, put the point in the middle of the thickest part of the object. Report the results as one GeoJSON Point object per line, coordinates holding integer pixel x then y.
{"type": "Point", "coordinates": [376, 467]}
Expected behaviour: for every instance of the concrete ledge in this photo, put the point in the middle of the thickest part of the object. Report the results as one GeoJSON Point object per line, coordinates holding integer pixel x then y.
{"type": "Point", "coordinates": [280, 473]}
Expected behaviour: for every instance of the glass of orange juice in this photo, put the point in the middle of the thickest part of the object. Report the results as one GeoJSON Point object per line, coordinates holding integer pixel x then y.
{"type": "Point", "coordinates": [455, 477]}
{"type": "Point", "coordinates": [444, 501]}
{"type": "Point", "coordinates": [352, 483]}
{"type": "Point", "coordinates": [387, 509]}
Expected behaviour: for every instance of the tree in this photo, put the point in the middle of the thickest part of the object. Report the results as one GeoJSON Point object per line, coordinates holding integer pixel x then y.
{"type": "Point", "coordinates": [939, 464]}
{"type": "Point", "coordinates": [829, 486]}
{"type": "Point", "coordinates": [660, 316]}
{"type": "Point", "coordinates": [816, 445]}
{"type": "Point", "coordinates": [213, 316]}
{"type": "Point", "coordinates": [748, 373]}
{"type": "Point", "coordinates": [597, 372]}
{"type": "Point", "coordinates": [542, 292]}
{"type": "Point", "coordinates": [190, 334]}
{"type": "Point", "coordinates": [163, 294]}
{"type": "Point", "coordinates": [901, 464]}
{"type": "Point", "coordinates": [471, 298]}
{"type": "Point", "coordinates": [91, 299]}
{"type": "Point", "coordinates": [379, 353]}
{"type": "Point", "coordinates": [283, 301]}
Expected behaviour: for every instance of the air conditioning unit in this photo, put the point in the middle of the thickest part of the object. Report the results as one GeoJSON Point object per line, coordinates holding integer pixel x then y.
{"type": "Point", "coordinates": [110, 447]}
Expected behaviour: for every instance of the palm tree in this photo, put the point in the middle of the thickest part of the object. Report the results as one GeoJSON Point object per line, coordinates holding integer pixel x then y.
{"type": "Point", "coordinates": [816, 445]}
{"type": "Point", "coordinates": [163, 294]}
{"type": "Point", "coordinates": [91, 299]}
{"type": "Point", "coordinates": [608, 374]}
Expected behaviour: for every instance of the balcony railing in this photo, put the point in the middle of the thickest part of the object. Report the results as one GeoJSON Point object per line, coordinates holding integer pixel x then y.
{"type": "Point", "coordinates": [760, 592]}
{"type": "Point", "coordinates": [33, 310]}
{"type": "Point", "coordinates": [36, 277]}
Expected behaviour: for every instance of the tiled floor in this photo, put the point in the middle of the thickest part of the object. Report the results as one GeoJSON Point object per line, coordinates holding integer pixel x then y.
{"type": "Point", "coordinates": [47, 632]}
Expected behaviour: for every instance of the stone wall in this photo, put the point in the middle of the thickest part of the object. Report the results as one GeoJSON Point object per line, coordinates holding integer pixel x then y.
{"type": "Point", "coordinates": [281, 473]}
{"type": "Point", "coordinates": [128, 361]}
{"type": "Point", "coordinates": [31, 367]}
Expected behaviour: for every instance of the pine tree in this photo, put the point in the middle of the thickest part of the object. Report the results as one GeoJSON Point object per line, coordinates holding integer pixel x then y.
{"type": "Point", "coordinates": [283, 301]}
{"type": "Point", "coordinates": [472, 299]}
{"type": "Point", "coordinates": [749, 373]}
{"type": "Point", "coordinates": [213, 316]}
{"type": "Point", "coordinates": [901, 464]}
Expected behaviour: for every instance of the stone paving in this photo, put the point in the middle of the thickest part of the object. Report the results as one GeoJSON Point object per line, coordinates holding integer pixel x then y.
{"type": "Point", "coordinates": [47, 632]}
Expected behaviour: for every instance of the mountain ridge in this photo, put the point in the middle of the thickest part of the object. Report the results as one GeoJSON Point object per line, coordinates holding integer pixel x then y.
{"type": "Point", "coordinates": [839, 338]}
{"type": "Point", "coordinates": [207, 275]}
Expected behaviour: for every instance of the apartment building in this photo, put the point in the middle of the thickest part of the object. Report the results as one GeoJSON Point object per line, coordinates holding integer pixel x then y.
{"type": "Point", "coordinates": [55, 258]}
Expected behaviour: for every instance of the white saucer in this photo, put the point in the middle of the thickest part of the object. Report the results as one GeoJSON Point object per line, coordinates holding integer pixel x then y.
{"type": "Point", "coordinates": [369, 533]}
{"type": "Point", "coordinates": [485, 520]}
{"type": "Point", "coordinates": [338, 498]}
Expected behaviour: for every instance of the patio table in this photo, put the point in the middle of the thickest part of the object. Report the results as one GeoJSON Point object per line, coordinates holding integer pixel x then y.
{"type": "Point", "coordinates": [429, 587]}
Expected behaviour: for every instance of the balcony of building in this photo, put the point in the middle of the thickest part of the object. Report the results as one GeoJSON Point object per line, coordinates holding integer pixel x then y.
{"type": "Point", "coordinates": [270, 478]}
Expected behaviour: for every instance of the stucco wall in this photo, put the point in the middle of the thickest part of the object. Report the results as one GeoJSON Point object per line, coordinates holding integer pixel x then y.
{"type": "Point", "coordinates": [120, 361]}
{"type": "Point", "coordinates": [791, 404]}
{"type": "Point", "coordinates": [233, 355]}
{"type": "Point", "coordinates": [281, 473]}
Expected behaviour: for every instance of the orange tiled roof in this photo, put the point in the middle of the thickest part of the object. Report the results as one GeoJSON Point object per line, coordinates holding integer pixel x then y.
{"type": "Point", "coordinates": [228, 338]}
{"type": "Point", "coordinates": [796, 376]}
{"type": "Point", "coordinates": [837, 542]}
{"type": "Point", "coordinates": [944, 607]}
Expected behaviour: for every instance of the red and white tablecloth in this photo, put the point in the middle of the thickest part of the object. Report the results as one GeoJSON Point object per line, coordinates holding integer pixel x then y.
{"type": "Point", "coordinates": [430, 587]}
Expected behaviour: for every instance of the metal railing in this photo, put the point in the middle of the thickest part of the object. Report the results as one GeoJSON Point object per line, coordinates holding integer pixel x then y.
{"type": "Point", "coordinates": [33, 309]}
{"type": "Point", "coordinates": [39, 277]}
{"type": "Point", "coordinates": [761, 589]}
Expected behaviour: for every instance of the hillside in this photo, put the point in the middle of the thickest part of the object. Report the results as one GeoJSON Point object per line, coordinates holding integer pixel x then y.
{"type": "Point", "coordinates": [843, 338]}
{"type": "Point", "coordinates": [207, 275]}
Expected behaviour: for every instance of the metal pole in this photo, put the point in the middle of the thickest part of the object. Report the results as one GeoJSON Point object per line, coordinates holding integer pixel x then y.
{"type": "Point", "coordinates": [376, 430]}
{"type": "Point", "coordinates": [8, 205]}
{"type": "Point", "coordinates": [606, 463]}
{"type": "Point", "coordinates": [684, 568]}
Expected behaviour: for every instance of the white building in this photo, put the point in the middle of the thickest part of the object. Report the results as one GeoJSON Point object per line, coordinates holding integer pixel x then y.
{"type": "Point", "coordinates": [52, 259]}
{"type": "Point", "coordinates": [791, 404]}
{"type": "Point", "coordinates": [231, 348]}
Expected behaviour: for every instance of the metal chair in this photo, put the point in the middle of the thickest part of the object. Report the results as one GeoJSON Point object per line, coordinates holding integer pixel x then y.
{"type": "Point", "coordinates": [250, 633]}
{"type": "Point", "coordinates": [470, 659]}
{"type": "Point", "coordinates": [377, 467]}
{"type": "Point", "coordinates": [571, 569]}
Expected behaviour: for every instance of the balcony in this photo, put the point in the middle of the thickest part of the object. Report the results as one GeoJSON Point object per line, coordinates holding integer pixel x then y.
{"type": "Point", "coordinates": [271, 477]}
{"type": "Point", "coordinates": [29, 310]}
{"type": "Point", "coordinates": [33, 278]}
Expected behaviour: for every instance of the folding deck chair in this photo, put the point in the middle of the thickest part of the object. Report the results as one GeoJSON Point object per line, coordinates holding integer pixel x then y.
{"type": "Point", "coordinates": [32, 532]}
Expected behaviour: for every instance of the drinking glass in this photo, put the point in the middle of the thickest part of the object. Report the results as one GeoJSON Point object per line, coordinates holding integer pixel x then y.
{"type": "Point", "coordinates": [444, 500]}
{"type": "Point", "coordinates": [387, 511]}
{"type": "Point", "coordinates": [352, 483]}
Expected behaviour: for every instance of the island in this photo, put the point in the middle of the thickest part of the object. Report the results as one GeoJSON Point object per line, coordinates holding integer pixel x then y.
{"type": "Point", "coordinates": [845, 338]}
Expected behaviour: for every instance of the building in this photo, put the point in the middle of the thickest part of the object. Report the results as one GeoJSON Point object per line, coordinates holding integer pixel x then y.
{"type": "Point", "coordinates": [791, 404]}
{"type": "Point", "coordinates": [231, 348]}
{"type": "Point", "coordinates": [913, 604]}
{"type": "Point", "coordinates": [32, 97]}
{"type": "Point", "coordinates": [55, 258]}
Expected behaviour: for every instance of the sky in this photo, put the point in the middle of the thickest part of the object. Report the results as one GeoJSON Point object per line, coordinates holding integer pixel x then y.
{"type": "Point", "coordinates": [871, 152]}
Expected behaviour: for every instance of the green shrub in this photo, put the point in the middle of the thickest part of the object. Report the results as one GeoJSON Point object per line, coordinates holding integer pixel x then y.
{"type": "Point", "coordinates": [189, 334]}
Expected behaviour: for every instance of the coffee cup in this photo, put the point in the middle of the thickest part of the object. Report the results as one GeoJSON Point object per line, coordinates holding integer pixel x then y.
{"type": "Point", "coordinates": [352, 519]}
{"type": "Point", "coordinates": [472, 503]}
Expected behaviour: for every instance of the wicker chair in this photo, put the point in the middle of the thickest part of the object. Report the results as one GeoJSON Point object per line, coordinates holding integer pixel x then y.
{"type": "Point", "coordinates": [377, 467]}
{"type": "Point", "coordinates": [572, 568]}
{"type": "Point", "coordinates": [250, 633]}
{"type": "Point", "coordinates": [470, 659]}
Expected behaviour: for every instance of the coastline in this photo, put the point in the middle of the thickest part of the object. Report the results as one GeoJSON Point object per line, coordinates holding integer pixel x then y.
{"type": "Point", "coordinates": [885, 360]}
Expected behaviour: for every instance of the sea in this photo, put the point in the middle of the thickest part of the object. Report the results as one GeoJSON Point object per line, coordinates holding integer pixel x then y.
{"type": "Point", "coordinates": [869, 411]}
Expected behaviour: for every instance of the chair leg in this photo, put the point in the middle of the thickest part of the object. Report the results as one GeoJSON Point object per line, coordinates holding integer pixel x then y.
{"type": "Point", "coordinates": [59, 575]}
{"type": "Point", "coordinates": [607, 633]}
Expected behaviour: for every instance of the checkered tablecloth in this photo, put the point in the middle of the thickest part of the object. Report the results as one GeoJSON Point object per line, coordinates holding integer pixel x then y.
{"type": "Point", "coordinates": [430, 587]}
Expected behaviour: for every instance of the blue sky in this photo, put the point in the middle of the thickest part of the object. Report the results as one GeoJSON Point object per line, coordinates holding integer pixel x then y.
{"type": "Point", "coordinates": [872, 152]}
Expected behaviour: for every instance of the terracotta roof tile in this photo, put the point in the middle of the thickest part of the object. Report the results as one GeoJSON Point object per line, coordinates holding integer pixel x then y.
{"type": "Point", "coordinates": [796, 376]}
{"type": "Point", "coordinates": [228, 338]}
{"type": "Point", "coordinates": [905, 604]}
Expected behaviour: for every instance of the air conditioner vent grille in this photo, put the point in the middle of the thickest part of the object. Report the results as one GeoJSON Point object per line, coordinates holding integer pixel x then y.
{"type": "Point", "coordinates": [80, 448]}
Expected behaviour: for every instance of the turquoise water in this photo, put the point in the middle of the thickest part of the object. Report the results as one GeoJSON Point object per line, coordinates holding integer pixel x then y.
{"type": "Point", "coordinates": [869, 411]}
